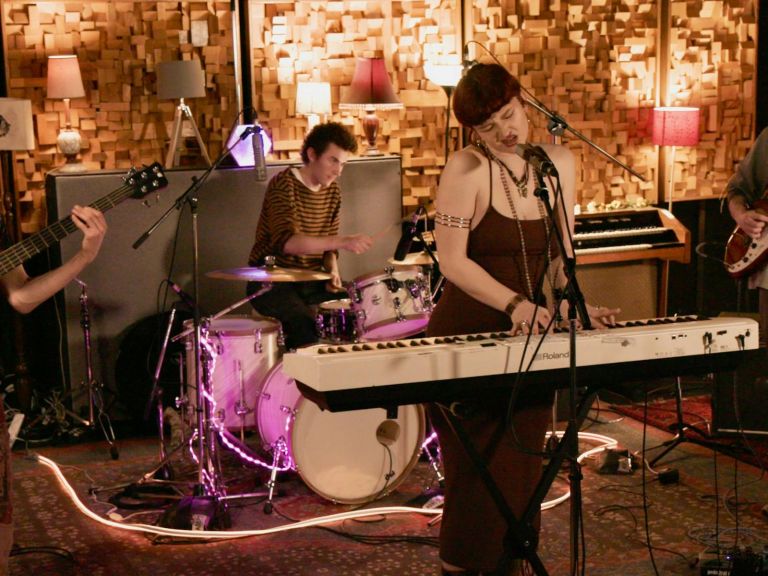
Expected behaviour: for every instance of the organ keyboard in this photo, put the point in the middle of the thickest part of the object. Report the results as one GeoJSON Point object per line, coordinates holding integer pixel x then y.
{"type": "Point", "coordinates": [392, 373]}
{"type": "Point", "coordinates": [630, 235]}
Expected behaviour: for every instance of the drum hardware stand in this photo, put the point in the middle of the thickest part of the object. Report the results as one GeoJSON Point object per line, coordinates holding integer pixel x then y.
{"type": "Point", "coordinates": [209, 488]}
{"type": "Point", "coordinates": [431, 497]}
{"type": "Point", "coordinates": [93, 387]}
{"type": "Point", "coordinates": [435, 266]}
{"type": "Point", "coordinates": [241, 406]}
{"type": "Point", "coordinates": [163, 470]}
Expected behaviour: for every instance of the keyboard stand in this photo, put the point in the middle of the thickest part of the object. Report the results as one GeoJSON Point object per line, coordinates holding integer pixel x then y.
{"type": "Point", "coordinates": [522, 537]}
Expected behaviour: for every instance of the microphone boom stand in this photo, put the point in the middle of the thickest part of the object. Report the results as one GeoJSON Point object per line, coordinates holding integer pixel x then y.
{"type": "Point", "coordinates": [208, 491]}
{"type": "Point", "coordinates": [576, 309]}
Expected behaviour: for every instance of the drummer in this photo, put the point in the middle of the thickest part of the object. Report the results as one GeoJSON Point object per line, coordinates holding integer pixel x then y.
{"type": "Point", "coordinates": [299, 226]}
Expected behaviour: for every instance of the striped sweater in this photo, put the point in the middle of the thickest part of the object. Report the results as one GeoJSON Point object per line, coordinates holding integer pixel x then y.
{"type": "Point", "coordinates": [292, 208]}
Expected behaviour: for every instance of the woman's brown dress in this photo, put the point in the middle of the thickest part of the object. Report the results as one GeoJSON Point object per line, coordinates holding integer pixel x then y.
{"type": "Point", "coordinates": [472, 529]}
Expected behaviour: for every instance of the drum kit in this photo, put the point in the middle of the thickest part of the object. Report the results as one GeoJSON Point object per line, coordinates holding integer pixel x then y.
{"type": "Point", "coordinates": [349, 457]}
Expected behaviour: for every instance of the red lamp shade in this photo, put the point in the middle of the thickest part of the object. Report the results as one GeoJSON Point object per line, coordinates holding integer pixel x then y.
{"type": "Point", "coordinates": [371, 86]}
{"type": "Point", "coordinates": [675, 126]}
{"type": "Point", "coordinates": [371, 90]}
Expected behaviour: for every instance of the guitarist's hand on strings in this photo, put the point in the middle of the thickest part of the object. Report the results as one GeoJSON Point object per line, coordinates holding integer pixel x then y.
{"type": "Point", "coordinates": [751, 221]}
{"type": "Point", "coordinates": [93, 225]}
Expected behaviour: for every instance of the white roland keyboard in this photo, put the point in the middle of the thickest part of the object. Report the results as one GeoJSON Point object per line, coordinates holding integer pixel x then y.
{"type": "Point", "coordinates": [364, 375]}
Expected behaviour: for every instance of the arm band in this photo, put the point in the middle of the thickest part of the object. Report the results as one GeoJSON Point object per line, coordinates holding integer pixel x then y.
{"type": "Point", "coordinates": [452, 221]}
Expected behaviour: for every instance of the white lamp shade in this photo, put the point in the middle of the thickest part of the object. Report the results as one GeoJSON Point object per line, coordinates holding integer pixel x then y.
{"type": "Point", "coordinates": [180, 79]}
{"type": "Point", "coordinates": [64, 79]}
{"type": "Point", "coordinates": [313, 98]}
{"type": "Point", "coordinates": [445, 75]}
{"type": "Point", "coordinates": [16, 131]}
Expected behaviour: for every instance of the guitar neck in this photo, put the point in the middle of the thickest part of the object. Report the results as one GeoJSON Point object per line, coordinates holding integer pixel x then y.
{"type": "Point", "coordinates": [47, 237]}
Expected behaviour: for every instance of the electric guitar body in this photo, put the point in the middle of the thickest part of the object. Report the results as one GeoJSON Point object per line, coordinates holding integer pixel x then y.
{"type": "Point", "coordinates": [743, 254]}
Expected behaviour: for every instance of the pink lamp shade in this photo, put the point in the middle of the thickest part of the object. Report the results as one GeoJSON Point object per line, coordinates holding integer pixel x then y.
{"type": "Point", "coordinates": [64, 79]}
{"type": "Point", "coordinates": [371, 87]}
{"type": "Point", "coordinates": [675, 126]}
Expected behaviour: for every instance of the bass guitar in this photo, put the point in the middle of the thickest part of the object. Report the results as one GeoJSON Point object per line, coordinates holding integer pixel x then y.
{"type": "Point", "coordinates": [137, 184]}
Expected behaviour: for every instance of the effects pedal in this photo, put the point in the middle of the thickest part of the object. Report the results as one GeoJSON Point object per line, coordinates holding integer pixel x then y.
{"type": "Point", "coordinates": [734, 562]}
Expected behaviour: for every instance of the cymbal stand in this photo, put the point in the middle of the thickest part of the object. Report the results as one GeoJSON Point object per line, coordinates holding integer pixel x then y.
{"type": "Point", "coordinates": [156, 396]}
{"type": "Point", "coordinates": [92, 386]}
{"type": "Point", "coordinates": [438, 283]}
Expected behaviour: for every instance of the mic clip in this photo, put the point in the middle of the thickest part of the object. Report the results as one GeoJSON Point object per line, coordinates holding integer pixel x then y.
{"type": "Point", "coordinates": [250, 130]}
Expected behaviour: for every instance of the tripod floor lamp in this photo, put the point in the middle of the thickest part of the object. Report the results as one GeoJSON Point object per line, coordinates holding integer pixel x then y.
{"type": "Point", "coordinates": [180, 79]}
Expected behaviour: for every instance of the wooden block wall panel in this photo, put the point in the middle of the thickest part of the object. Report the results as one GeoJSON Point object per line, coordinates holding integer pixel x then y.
{"type": "Point", "coordinates": [118, 44]}
{"type": "Point", "coordinates": [606, 55]}
{"type": "Point", "coordinates": [318, 41]}
{"type": "Point", "coordinates": [594, 63]}
{"type": "Point", "coordinates": [712, 66]}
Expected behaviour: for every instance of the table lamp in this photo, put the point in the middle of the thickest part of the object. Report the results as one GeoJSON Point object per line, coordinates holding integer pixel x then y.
{"type": "Point", "coordinates": [313, 100]}
{"type": "Point", "coordinates": [371, 90]}
{"type": "Point", "coordinates": [177, 80]}
{"type": "Point", "coordinates": [675, 126]}
{"type": "Point", "coordinates": [64, 82]}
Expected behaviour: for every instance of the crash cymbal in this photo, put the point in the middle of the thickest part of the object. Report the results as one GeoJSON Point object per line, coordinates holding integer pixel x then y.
{"type": "Point", "coordinates": [415, 259]}
{"type": "Point", "coordinates": [268, 274]}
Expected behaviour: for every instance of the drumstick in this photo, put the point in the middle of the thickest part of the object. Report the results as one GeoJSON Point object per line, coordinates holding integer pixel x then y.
{"type": "Point", "coordinates": [383, 231]}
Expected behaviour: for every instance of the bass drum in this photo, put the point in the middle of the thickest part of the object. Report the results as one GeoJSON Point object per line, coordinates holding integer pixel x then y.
{"type": "Point", "coordinates": [345, 457]}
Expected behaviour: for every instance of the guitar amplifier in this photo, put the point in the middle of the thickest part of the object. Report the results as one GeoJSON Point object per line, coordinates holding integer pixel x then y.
{"type": "Point", "coordinates": [123, 282]}
{"type": "Point", "coordinates": [739, 399]}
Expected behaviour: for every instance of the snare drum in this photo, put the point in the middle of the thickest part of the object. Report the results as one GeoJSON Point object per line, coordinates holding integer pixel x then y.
{"type": "Point", "coordinates": [392, 304]}
{"type": "Point", "coordinates": [335, 321]}
{"type": "Point", "coordinates": [342, 456]}
{"type": "Point", "coordinates": [244, 350]}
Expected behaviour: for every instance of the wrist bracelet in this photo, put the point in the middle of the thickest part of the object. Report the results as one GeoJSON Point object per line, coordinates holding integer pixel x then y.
{"type": "Point", "coordinates": [513, 303]}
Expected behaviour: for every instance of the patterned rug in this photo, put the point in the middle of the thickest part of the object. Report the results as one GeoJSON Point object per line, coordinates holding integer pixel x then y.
{"type": "Point", "coordinates": [58, 539]}
{"type": "Point", "coordinates": [697, 414]}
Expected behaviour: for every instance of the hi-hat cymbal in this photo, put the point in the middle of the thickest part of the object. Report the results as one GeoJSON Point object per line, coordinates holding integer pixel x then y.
{"type": "Point", "coordinates": [268, 274]}
{"type": "Point", "coordinates": [415, 259]}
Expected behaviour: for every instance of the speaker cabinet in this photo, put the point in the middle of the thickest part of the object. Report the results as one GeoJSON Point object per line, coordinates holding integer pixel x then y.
{"type": "Point", "coordinates": [123, 283]}
{"type": "Point", "coordinates": [631, 286]}
{"type": "Point", "coordinates": [739, 399]}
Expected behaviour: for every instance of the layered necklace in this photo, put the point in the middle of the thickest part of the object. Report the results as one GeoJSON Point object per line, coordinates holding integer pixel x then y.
{"type": "Point", "coordinates": [522, 189]}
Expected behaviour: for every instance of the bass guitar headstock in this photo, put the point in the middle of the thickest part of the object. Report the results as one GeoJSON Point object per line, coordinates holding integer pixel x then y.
{"type": "Point", "coordinates": [145, 180]}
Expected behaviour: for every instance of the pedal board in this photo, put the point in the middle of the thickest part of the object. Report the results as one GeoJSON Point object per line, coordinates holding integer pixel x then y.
{"type": "Point", "coordinates": [738, 562]}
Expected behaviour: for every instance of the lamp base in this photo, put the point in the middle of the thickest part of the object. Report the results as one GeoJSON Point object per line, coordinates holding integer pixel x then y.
{"type": "Point", "coordinates": [70, 143]}
{"type": "Point", "coordinates": [371, 129]}
{"type": "Point", "coordinates": [73, 166]}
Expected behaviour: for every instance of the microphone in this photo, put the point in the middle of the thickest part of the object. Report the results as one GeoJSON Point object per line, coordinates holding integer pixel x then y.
{"type": "Point", "coordinates": [537, 157]}
{"type": "Point", "coordinates": [466, 63]}
{"type": "Point", "coordinates": [259, 162]}
{"type": "Point", "coordinates": [186, 298]}
{"type": "Point", "coordinates": [409, 231]}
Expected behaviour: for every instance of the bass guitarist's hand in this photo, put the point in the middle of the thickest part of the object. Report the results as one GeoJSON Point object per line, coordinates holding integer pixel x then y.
{"type": "Point", "coordinates": [93, 225]}
{"type": "Point", "coordinates": [752, 222]}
